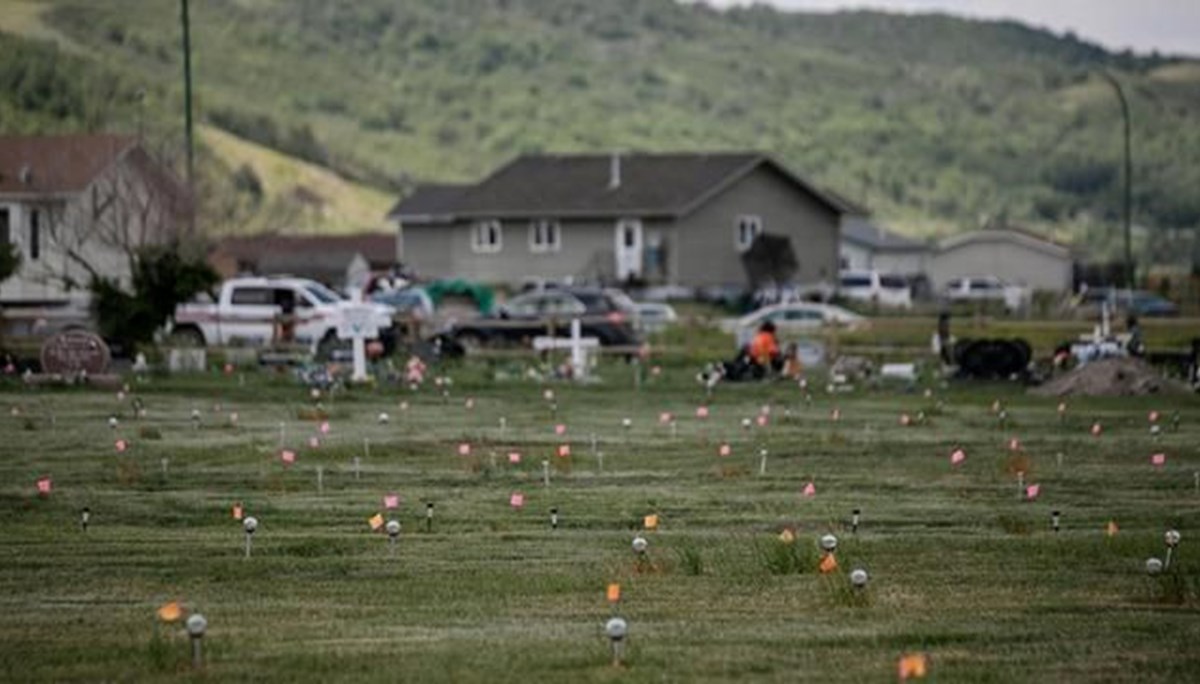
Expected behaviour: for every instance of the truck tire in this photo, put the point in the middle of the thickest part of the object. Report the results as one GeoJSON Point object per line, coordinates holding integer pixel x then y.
{"type": "Point", "coordinates": [187, 336]}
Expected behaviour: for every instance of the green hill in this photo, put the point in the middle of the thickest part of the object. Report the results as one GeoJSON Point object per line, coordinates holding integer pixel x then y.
{"type": "Point", "coordinates": [933, 121]}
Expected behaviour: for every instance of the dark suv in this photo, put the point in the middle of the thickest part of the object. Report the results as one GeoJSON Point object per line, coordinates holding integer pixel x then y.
{"type": "Point", "coordinates": [549, 311]}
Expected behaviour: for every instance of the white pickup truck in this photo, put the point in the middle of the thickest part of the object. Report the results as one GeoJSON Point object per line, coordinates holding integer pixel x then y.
{"type": "Point", "coordinates": [250, 311]}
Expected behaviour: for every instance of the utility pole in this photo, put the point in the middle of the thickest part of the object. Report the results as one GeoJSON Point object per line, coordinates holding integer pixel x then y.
{"type": "Point", "coordinates": [1129, 270]}
{"type": "Point", "coordinates": [187, 93]}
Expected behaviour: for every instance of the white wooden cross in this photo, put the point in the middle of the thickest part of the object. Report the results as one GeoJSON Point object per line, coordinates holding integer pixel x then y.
{"type": "Point", "coordinates": [577, 343]}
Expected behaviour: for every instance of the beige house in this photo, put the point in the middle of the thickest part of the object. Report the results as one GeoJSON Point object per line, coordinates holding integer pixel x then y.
{"type": "Point", "coordinates": [1014, 255]}
{"type": "Point", "coordinates": [74, 205]}
{"type": "Point", "coordinates": [677, 219]}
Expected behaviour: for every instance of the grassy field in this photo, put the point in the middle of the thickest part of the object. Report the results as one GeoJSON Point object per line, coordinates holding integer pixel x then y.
{"type": "Point", "coordinates": [961, 568]}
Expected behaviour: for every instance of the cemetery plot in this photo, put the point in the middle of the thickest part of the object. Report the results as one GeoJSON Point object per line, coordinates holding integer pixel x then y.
{"type": "Point", "coordinates": [550, 532]}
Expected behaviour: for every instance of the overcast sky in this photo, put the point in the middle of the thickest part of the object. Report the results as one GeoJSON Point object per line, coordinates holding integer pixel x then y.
{"type": "Point", "coordinates": [1170, 26]}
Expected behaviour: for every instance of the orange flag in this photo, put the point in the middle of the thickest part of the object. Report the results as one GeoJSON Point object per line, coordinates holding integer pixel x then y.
{"type": "Point", "coordinates": [237, 511]}
{"type": "Point", "coordinates": [1112, 529]}
{"type": "Point", "coordinates": [376, 522]}
{"type": "Point", "coordinates": [912, 666]}
{"type": "Point", "coordinates": [170, 612]}
{"type": "Point", "coordinates": [651, 522]}
{"type": "Point", "coordinates": [614, 593]}
{"type": "Point", "coordinates": [828, 564]}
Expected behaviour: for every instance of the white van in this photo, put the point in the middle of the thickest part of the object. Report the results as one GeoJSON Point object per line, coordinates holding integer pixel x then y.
{"type": "Point", "coordinates": [872, 286]}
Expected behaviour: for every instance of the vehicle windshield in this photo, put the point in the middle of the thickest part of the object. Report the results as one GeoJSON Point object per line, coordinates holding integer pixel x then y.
{"type": "Point", "coordinates": [893, 282]}
{"type": "Point", "coordinates": [856, 281]}
{"type": "Point", "coordinates": [322, 294]}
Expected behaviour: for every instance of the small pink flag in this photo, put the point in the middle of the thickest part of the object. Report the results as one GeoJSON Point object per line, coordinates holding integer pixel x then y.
{"type": "Point", "coordinates": [391, 501]}
{"type": "Point", "coordinates": [664, 417]}
{"type": "Point", "coordinates": [905, 419]}
{"type": "Point", "coordinates": [564, 450]}
{"type": "Point", "coordinates": [957, 456]}
{"type": "Point", "coordinates": [325, 428]}
{"type": "Point", "coordinates": [1096, 429]}
{"type": "Point", "coordinates": [761, 420]}
{"type": "Point", "coordinates": [560, 429]}
{"type": "Point", "coordinates": [314, 442]}
{"type": "Point", "coordinates": [1158, 459]}
{"type": "Point", "coordinates": [1032, 491]}
{"type": "Point", "coordinates": [514, 457]}
{"type": "Point", "coordinates": [517, 500]}
{"type": "Point", "coordinates": [464, 449]}
{"type": "Point", "coordinates": [1153, 416]}
{"type": "Point", "coordinates": [724, 450]}
{"type": "Point", "coordinates": [702, 412]}
{"type": "Point", "coordinates": [810, 489]}
{"type": "Point", "coordinates": [44, 486]}
{"type": "Point", "coordinates": [1014, 444]}
{"type": "Point", "coordinates": [288, 456]}
{"type": "Point", "coordinates": [121, 446]}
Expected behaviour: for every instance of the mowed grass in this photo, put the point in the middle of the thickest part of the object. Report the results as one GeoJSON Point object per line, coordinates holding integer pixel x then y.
{"type": "Point", "coordinates": [961, 568]}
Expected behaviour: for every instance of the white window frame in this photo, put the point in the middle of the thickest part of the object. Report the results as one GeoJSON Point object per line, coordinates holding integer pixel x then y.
{"type": "Point", "coordinates": [540, 231]}
{"type": "Point", "coordinates": [751, 221]}
{"type": "Point", "coordinates": [481, 234]}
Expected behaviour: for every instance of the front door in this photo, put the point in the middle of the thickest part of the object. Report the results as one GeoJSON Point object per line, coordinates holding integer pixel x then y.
{"type": "Point", "coordinates": [629, 249]}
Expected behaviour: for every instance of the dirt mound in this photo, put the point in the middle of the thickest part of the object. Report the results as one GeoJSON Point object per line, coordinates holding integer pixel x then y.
{"type": "Point", "coordinates": [1121, 377]}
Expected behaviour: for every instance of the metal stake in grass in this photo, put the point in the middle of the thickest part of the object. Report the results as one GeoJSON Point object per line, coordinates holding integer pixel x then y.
{"type": "Point", "coordinates": [393, 531]}
{"type": "Point", "coordinates": [282, 433]}
{"type": "Point", "coordinates": [554, 518]}
{"type": "Point", "coordinates": [429, 516]}
{"type": "Point", "coordinates": [164, 462]}
{"type": "Point", "coordinates": [250, 524]}
{"type": "Point", "coordinates": [762, 461]}
{"type": "Point", "coordinates": [546, 473]}
{"type": "Point", "coordinates": [616, 628]}
{"type": "Point", "coordinates": [1172, 539]}
{"type": "Point", "coordinates": [503, 425]}
{"type": "Point", "coordinates": [85, 517]}
{"type": "Point", "coordinates": [1054, 520]}
{"type": "Point", "coordinates": [858, 578]}
{"type": "Point", "coordinates": [195, 419]}
{"type": "Point", "coordinates": [357, 468]}
{"type": "Point", "coordinates": [854, 520]}
{"type": "Point", "coordinates": [1021, 484]}
{"type": "Point", "coordinates": [320, 480]}
{"type": "Point", "coordinates": [196, 626]}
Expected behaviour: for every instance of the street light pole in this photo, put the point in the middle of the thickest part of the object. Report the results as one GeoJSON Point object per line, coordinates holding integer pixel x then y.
{"type": "Point", "coordinates": [1129, 272]}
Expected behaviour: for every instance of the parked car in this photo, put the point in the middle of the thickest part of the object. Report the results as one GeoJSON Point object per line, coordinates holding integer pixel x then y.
{"type": "Point", "coordinates": [1122, 302]}
{"type": "Point", "coordinates": [249, 311]}
{"type": "Point", "coordinates": [875, 287]}
{"type": "Point", "coordinates": [792, 320]}
{"type": "Point", "coordinates": [987, 289]}
{"type": "Point", "coordinates": [409, 301]}
{"type": "Point", "coordinates": [653, 317]}
{"type": "Point", "coordinates": [540, 312]}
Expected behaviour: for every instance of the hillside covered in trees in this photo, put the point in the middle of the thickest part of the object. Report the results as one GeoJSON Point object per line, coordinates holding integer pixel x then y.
{"type": "Point", "coordinates": [936, 123]}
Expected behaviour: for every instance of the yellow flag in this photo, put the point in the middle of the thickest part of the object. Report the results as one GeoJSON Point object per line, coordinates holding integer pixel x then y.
{"type": "Point", "coordinates": [652, 522]}
{"type": "Point", "coordinates": [376, 522]}
{"type": "Point", "coordinates": [912, 666]}
{"type": "Point", "coordinates": [170, 612]}
{"type": "Point", "coordinates": [614, 593]}
{"type": "Point", "coordinates": [787, 536]}
{"type": "Point", "coordinates": [1112, 529]}
{"type": "Point", "coordinates": [828, 564]}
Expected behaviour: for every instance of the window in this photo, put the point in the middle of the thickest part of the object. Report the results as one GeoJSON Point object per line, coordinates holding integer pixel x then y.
{"type": "Point", "coordinates": [486, 237]}
{"type": "Point", "coordinates": [746, 228]}
{"type": "Point", "coordinates": [544, 236]}
{"type": "Point", "coordinates": [253, 296]}
{"type": "Point", "coordinates": [35, 234]}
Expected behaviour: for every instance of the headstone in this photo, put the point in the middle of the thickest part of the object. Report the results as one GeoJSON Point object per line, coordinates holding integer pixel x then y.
{"type": "Point", "coordinates": [186, 360]}
{"type": "Point", "coordinates": [74, 352]}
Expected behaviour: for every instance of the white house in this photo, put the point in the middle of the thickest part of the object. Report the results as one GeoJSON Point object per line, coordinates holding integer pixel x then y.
{"type": "Point", "coordinates": [1014, 255]}
{"type": "Point", "coordinates": [867, 246]}
{"type": "Point", "coordinates": [74, 205]}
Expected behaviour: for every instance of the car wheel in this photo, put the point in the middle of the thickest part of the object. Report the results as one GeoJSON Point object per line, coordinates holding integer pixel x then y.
{"type": "Point", "coordinates": [187, 337]}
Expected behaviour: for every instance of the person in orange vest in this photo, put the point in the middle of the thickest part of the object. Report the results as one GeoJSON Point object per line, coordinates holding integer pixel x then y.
{"type": "Point", "coordinates": [764, 348]}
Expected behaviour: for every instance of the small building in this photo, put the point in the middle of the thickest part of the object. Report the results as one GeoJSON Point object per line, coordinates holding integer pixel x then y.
{"type": "Point", "coordinates": [75, 205]}
{"type": "Point", "coordinates": [1014, 255]}
{"type": "Point", "coordinates": [867, 246]}
{"type": "Point", "coordinates": [674, 219]}
{"type": "Point", "coordinates": [340, 261]}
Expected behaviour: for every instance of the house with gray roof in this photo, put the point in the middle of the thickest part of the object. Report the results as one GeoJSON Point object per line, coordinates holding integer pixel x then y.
{"type": "Point", "coordinates": [867, 246]}
{"type": "Point", "coordinates": [677, 219]}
